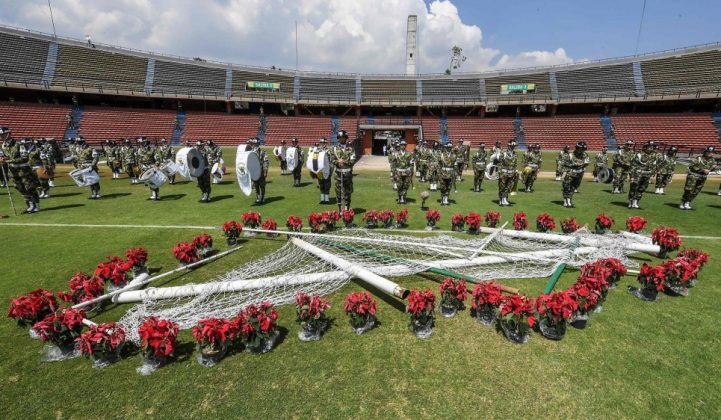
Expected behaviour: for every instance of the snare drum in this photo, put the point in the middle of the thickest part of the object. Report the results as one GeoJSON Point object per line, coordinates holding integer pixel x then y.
{"type": "Point", "coordinates": [247, 169]}
{"type": "Point", "coordinates": [154, 178]}
{"type": "Point", "coordinates": [85, 177]}
{"type": "Point", "coordinates": [169, 168]}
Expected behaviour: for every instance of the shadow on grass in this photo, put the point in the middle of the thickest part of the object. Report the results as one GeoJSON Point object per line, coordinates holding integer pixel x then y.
{"type": "Point", "coordinates": [114, 195]}
{"type": "Point", "coordinates": [272, 199]}
{"type": "Point", "coordinates": [714, 206]}
{"type": "Point", "coordinates": [672, 205]}
{"type": "Point", "coordinates": [184, 352]}
{"type": "Point", "coordinates": [172, 197]}
{"type": "Point", "coordinates": [64, 206]}
{"type": "Point", "coordinates": [221, 198]}
{"type": "Point", "coordinates": [64, 195]}
{"type": "Point", "coordinates": [709, 193]}
{"type": "Point", "coordinates": [557, 202]}
{"type": "Point", "coordinates": [390, 300]}
{"type": "Point", "coordinates": [359, 210]}
{"type": "Point", "coordinates": [619, 203]}
{"type": "Point", "coordinates": [304, 184]}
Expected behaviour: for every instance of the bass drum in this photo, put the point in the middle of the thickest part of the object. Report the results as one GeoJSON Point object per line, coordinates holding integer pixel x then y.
{"type": "Point", "coordinates": [318, 164]}
{"type": "Point", "coordinates": [217, 172]}
{"type": "Point", "coordinates": [247, 169]}
{"type": "Point", "coordinates": [291, 157]}
{"type": "Point", "coordinates": [278, 153]}
{"type": "Point", "coordinates": [190, 161]}
{"type": "Point", "coordinates": [85, 177]}
{"type": "Point", "coordinates": [492, 172]}
{"type": "Point", "coordinates": [169, 168]}
{"type": "Point", "coordinates": [606, 175]}
{"type": "Point", "coordinates": [154, 178]}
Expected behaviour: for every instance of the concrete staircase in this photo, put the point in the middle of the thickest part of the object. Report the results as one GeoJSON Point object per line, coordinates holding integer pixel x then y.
{"type": "Point", "coordinates": [606, 126]}
{"type": "Point", "coordinates": [178, 130]}
{"type": "Point", "coordinates": [520, 137]}
{"type": "Point", "coordinates": [77, 114]}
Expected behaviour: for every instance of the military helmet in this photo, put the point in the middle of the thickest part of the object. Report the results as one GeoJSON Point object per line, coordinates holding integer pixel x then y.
{"type": "Point", "coordinates": [710, 149]}
{"type": "Point", "coordinates": [322, 140]}
{"type": "Point", "coordinates": [630, 143]}
{"type": "Point", "coordinates": [581, 145]}
{"type": "Point", "coordinates": [126, 141]}
{"type": "Point", "coordinates": [402, 143]}
{"type": "Point", "coordinates": [5, 130]}
{"type": "Point", "coordinates": [199, 143]}
{"type": "Point", "coordinates": [294, 140]}
{"type": "Point", "coordinates": [460, 141]}
{"type": "Point", "coordinates": [648, 144]}
{"type": "Point", "coordinates": [448, 144]}
{"type": "Point", "coordinates": [673, 149]}
{"type": "Point", "coordinates": [481, 145]}
{"type": "Point", "coordinates": [566, 148]}
{"type": "Point", "coordinates": [342, 134]}
{"type": "Point", "coordinates": [512, 143]}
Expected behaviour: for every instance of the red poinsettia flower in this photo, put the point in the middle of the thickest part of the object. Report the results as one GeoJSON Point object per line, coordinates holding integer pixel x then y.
{"type": "Point", "coordinates": [61, 327]}
{"type": "Point", "coordinates": [203, 241]}
{"type": "Point", "coordinates": [33, 307]}
{"type": "Point", "coordinates": [386, 217]}
{"type": "Point", "coordinates": [185, 252]}
{"type": "Point", "coordinates": [433, 216]}
{"type": "Point", "coordinates": [556, 306]}
{"type": "Point", "coordinates": [251, 219]}
{"type": "Point", "coordinates": [370, 217]}
{"type": "Point", "coordinates": [473, 220]}
{"type": "Point", "coordinates": [213, 332]}
{"type": "Point", "coordinates": [310, 310]}
{"type": "Point", "coordinates": [569, 225]}
{"type": "Point", "coordinates": [113, 270]}
{"type": "Point", "coordinates": [520, 221]}
{"type": "Point", "coordinates": [82, 288]}
{"type": "Point", "coordinates": [492, 218]}
{"type": "Point", "coordinates": [315, 220]}
{"type": "Point", "coordinates": [453, 292]}
{"type": "Point", "coordinates": [635, 224]}
{"type": "Point", "coordinates": [458, 220]}
{"type": "Point", "coordinates": [269, 224]}
{"type": "Point", "coordinates": [158, 337]}
{"type": "Point", "coordinates": [101, 340]}
{"type": "Point", "coordinates": [348, 216]}
{"type": "Point", "coordinates": [360, 303]}
{"type": "Point", "coordinates": [518, 308]}
{"type": "Point", "coordinates": [294, 223]}
{"type": "Point", "coordinates": [545, 222]}
{"type": "Point", "coordinates": [328, 218]}
{"type": "Point", "coordinates": [232, 229]}
{"type": "Point", "coordinates": [421, 303]}
{"type": "Point", "coordinates": [603, 221]}
{"type": "Point", "coordinates": [667, 238]}
{"type": "Point", "coordinates": [136, 257]}
{"type": "Point", "coordinates": [402, 217]}
{"type": "Point", "coordinates": [486, 293]}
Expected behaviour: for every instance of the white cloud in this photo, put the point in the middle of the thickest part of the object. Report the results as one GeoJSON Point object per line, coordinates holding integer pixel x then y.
{"type": "Point", "coordinates": [333, 35]}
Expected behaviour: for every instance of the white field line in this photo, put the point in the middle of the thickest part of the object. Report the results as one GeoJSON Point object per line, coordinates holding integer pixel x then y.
{"type": "Point", "coordinates": [80, 225]}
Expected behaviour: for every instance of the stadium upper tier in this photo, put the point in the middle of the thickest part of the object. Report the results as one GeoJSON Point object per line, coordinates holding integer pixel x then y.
{"type": "Point", "coordinates": [40, 61]}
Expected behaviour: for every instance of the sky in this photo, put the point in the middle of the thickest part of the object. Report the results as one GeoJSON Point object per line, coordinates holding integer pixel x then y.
{"type": "Point", "coordinates": [368, 36]}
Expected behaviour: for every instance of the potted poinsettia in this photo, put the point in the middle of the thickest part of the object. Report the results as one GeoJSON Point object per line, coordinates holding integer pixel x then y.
{"type": "Point", "coordinates": [520, 221]}
{"type": "Point", "coordinates": [554, 309]}
{"type": "Point", "coordinates": [329, 219]}
{"type": "Point", "coordinates": [679, 271]}
{"type": "Point", "coordinates": [492, 218]}
{"type": "Point", "coordinates": [232, 231]}
{"type": "Point", "coordinates": [586, 300]}
{"type": "Point", "coordinates": [386, 218]}
{"type": "Point", "coordinates": [545, 222]}
{"type": "Point", "coordinates": [361, 309]}
{"type": "Point", "coordinates": [83, 289]}
{"type": "Point", "coordinates": [294, 223]}
{"type": "Point", "coordinates": [696, 257]}
{"type": "Point", "coordinates": [315, 221]}
{"type": "Point", "coordinates": [61, 328]}
{"type": "Point", "coordinates": [203, 244]}
{"type": "Point", "coordinates": [667, 238]}
{"type": "Point", "coordinates": [137, 258]}
{"type": "Point", "coordinates": [432, 217]}
{"type": "Point", "coordinates": [252, 220]}
{"type": "Point", "coordinates": [473, 220]}
{"type": "Point", "coordinates": [652, 280]}
{"type": "Point", "coordinates": [569, 225]}
{"type": "Point", "coordinates": [347, 216]}
{"type": "Point", "coordinates": [212, 337]}
{"type": "Point", "coordinates": [635, 224]}
{"type": "Point", "coordinates": [371, 219]}
{"type": "Point", "coordinates": [421, 306]}
{"type": "Point", "coordinates": [458, 222]}
{"type": "Point", "coordinates": [270, 224]}
{"type": "Point", "coordinates": [402, 218]}
{"type": "Point", "coordinates": [158, 339]}
{"type": "Point", "coordinates": [453, 296]}
{"type": "Point", "coordinates": [614, 270]}
{"type": "Point", "coordinates": [516, 316]}
{"type": "Point", "coordinates": [28, 309]}
{"type": "Point", "coordinates": [603, 224]}
{"type": "Point", "coordinates": [114, 271]}
{"type": "Point", "coordinates": [310, 314]}
{"type": "Point", "coordinates": [257, 326]}
{"type": "Point", "coordinates": [185, 253]}
{"type": "Point", "coordinates": [486, 299]}
{"type": "Point", "coordinates": [102, 343]}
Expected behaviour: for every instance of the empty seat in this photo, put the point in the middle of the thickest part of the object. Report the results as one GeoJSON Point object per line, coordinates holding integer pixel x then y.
{"type": "Point", "coordinates": [34, 120]}
{"type": "Point", "coordinates": [106, 123]}
{"type": "Point", "coordinates": [224, 129]}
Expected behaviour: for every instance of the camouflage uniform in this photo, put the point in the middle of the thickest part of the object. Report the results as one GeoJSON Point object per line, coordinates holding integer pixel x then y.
{"type": "Point", "coordinates": [88, 157]}
{"type": "Point", "coordinates": [324, 184]}
{"type": "Point", "coordinates": [48, 155]}
{"type": "Point", "coordinates": [392, 161]}
{"type": "Point", "coordinates": [507, 163]}
{"type": "Point", "coordinates": [35, 159]}
{"type": "Point", "coordinates": [114, 159]}
{"type": "Point", "coordinates": [698, 171]}
{"type": "Point", "coordinates": [621, 165]}
{"type": "Point", "coordinates": [479, 168]}
{"type": "Point", "coordinates": [562, 155]}
{"type": "Point", "coordinates": [259, 185]}
{"type": "Point", "coordinates": [26, 182]}
{"type": "Point", "coordinates": [461, 153]}
{"type": "Point", "coordinates": [164, 153]}
{"type": "Point", "coordinates": [599, 163]}
{"type": "Point", "coordinates": [421, 153]}
{"type": "Point", "coordinates": [642, 168]}
{"type": "Point", "coordinates": [343, 174]}
{"type": "Point", "coordinates": [204, 178]}
{"type": "Point", "coordinates": [215, 154]}
{"type": "Point", "coordinates": [130, 159]}
{"type": "Point", "coordinates": [574, 165]}
{"type": "Point", "coordinates": [403, 174]}
{"type": "Point", "coordinates": [532, 159]}
{"type": "Point", "coordinates": [665, 167]}
{"type": "Point", "coordinates": [297, 170]}
{"type": "Point", "coordinates": [433, 168]}
{"type": "Point", "coordinates": [448, 173]}
{"type": "Point", "coordinates": [146, 160]}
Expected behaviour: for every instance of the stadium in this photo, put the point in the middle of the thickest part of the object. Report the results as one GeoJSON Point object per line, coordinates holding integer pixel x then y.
{"type": "Point", "coordinates": [258, 314]}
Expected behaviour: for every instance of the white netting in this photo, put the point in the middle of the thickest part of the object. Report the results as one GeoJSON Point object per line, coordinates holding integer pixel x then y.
{"type": "Point", "coordinates": [278, 277]}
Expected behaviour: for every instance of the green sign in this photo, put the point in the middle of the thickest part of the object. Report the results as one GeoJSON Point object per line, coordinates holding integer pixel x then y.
{"type": "Point", "coordinates": [518, 88]}
{"type": "Point", "coordinates": [268, 86]}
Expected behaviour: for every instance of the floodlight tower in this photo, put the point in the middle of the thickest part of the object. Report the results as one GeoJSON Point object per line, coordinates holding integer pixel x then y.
{"type": "Point", "coordinates": [412, 45]}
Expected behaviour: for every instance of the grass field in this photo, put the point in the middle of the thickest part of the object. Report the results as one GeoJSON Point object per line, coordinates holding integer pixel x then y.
{"type": "Point", "coordinates": [636, 359]}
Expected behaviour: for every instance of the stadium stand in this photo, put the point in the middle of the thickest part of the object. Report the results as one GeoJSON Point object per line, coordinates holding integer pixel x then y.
{"type": "Point", "coordinates": [307, 129]}
{"type": "Point", "coordinates": [687, 131]}
{"type": "Point", "coordinates": [96, 69]}
{"type": "Point", "coordinates": [327, 90]}
{"type": "Point", "coordinates": [431, 128]}
{"type": "Point", "coordinates": [594, 82]}
{"type": "Point", "coordinates": [105, 123]}
{"type": "Point", "coordinates": [461, 91]}
{"type": "Point", "coordinates": [480, 130]}
{"type": "Point", "coordinates": [241, 79]}
{"type": "Point", "coordinates": [552, 133]}
{"type": "Point", "coordinates": [349, 124]}
{"type": "Point", "coordinates": [34, 120]}
{"type": "Point", "coordinates": [224, 129]}
{"type": "Point", "coordinates": [683, 74]}
{"type": "Point", "coordinates": [188, 79]}
{"type": "Point", "coordinates": [382, 91]}
{"type": "Point", "coordinates": [542, 93]}
{"type": "Point", "coordinates": [23, 58]}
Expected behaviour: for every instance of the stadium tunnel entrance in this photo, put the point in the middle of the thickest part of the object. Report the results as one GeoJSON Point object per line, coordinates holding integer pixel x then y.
{"type": "Point", "coordinates": [373, 137]}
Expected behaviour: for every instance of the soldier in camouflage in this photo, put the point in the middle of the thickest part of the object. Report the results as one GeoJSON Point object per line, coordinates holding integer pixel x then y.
{"type": "Point", "coordinates": [89, 157]}
{"type": "Point", "coordinates": [48, 156]}
{"type": "Point", "coordinates": [215, 155]}
{"type": "Point", "coordinates": [665, 167]}
{"type": "Point", "coordinates": [259, 185]}
{"type": "Point", "coordinates": [562, 155]}
{"type": "Point", "coordinates": [112, 154]}
{"type": "Point", "coordinates": [574, 165]}
{"type": "Point", "coordinates": [342, 157]}
{"type": "Point", "coordinates": [16, 157]}
{"type": "Point", "coordinates": [146, 160]}
{"type": "Point", "coordinates": [297, 170]}
{"type": "Point", "coordinates": [404, 172]}
{"type": "Point", "coordinates": [479, 162]}
{"type": "Point", "coordinates": [507, 162]}
{"type": "Point", "coordinates": [461, 153]}
{"type": "Point", "coordinates": [163, 154]}
{"type": "Point", "coordinates": [600, 162]}
{"type": "Point", "coordinates": [204, 178]}
{"type": "Point", "coordinates": [433, 167]}
{"type": "Point", "coordinates": [642, 169]}
{"type": "Point", "coordinates": [448, 171]}
{"type": "Point", "coordinates": [421, 152]}
{"type": "Point", "coordinates": [698, 171]}
{"type": "Point", "coordinates": [130, 160]}
{"type": "Point", "coordinates": [392, 156]}
{"type": "Point", "coordinates": [532, 160]}
{"type": "Point", "coordinates": [35, 159]}
{"type": "Point", "coordinates": [324, 184]}
{"type": "Point", "coordinates": [621, 166]}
